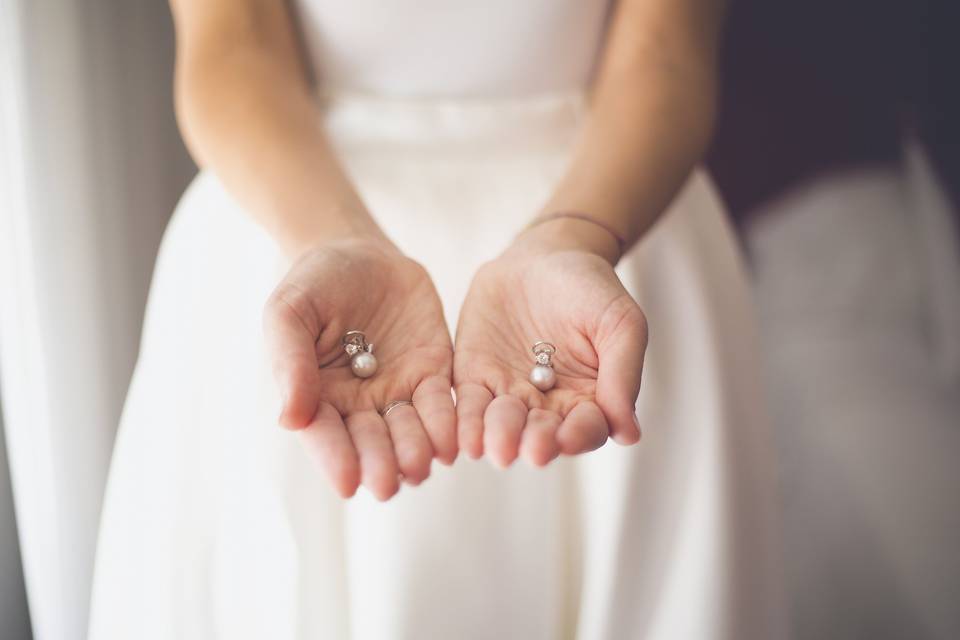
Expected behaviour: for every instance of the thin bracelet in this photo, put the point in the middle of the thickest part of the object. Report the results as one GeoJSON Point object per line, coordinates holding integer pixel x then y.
{"type": "Point", "coordinates": [576, 215]}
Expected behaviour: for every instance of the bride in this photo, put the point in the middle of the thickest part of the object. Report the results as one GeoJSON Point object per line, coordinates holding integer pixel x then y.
{"type": "Point", "coordinates": [376, 178]}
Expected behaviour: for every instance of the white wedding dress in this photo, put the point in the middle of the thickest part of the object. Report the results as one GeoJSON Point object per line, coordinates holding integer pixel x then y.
{"type": "Point", "coordinates": [454, 119]}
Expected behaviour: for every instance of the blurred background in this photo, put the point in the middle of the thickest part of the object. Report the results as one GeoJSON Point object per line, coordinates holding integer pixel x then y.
{"type": "Point", "coordinates": [837, 152]}
{"type": "Point", "coordinates": [92, 166]}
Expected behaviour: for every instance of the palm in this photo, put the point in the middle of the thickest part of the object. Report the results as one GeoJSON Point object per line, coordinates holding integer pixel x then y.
{"type": "Point", "coordinates": [575, 301]}
{"type": "Point", "coordinates": [391, 299]}
{"type": "Point", "coordinates": [399, 313]}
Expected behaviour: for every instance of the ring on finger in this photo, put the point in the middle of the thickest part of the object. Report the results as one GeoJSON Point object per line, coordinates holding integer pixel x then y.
{"type": "Point", "coordinates": [393, 404]}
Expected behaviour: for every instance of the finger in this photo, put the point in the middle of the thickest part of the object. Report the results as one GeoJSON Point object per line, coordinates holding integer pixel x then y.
{"type": "Point", "coordinates": [326, 440]}
{"type": "Point", "coordinates": [584, 429]}
{"type": "Point", "coordinates": [410, 443]}
{"type": "Point", "coordinates": [538, 444]}
{"type": "Point", "coordinates": [472, 401]}
{"type": "Point", "coordinates": [378, 463]}
{"type": "Point", "coordinates": [502, 425]}
{"type": "Point", "coordinates": [434, 402]}
{"type": "Point", "coordinates": [291, 341]}
{"type": "Point", "coordinates": [618, 377]}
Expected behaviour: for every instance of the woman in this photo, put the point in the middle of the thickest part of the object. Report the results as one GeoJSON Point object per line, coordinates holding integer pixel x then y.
{"type": "Point", "coordinates": [458, 135]}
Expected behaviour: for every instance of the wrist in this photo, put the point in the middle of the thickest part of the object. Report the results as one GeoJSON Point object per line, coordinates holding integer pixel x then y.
{"type": "Point", "coordinates": [345, 226]}
{"type": "Point", "coordinates": [347, 244]}
{"type": "Point", "coordinates": [569, 233]}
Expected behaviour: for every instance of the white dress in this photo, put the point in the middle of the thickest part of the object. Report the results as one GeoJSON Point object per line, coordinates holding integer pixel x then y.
{"type": "Point", "coordinates": [454, 120]}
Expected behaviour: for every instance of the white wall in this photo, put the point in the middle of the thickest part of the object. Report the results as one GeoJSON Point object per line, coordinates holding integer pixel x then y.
{"type": "Point", "coordinates": [92, 168]}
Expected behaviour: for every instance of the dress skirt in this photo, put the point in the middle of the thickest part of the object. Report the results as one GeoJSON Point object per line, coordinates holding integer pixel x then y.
{"type": "Point", "coordinates": [216, 524]}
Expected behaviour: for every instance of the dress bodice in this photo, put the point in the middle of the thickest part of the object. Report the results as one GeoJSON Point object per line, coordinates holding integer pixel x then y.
{"type": "Point", "coordinates": [453, 47]}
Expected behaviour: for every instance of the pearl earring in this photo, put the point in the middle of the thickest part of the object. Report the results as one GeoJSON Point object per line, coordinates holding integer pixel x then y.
{"type": "Point", "coordinates": [543, 377]}
{"type": "Point", "coordinates": [362, 361]}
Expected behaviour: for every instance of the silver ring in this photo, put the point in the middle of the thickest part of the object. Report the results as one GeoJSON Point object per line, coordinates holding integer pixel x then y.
{"type": "Point", "coordinates": [393, 404]}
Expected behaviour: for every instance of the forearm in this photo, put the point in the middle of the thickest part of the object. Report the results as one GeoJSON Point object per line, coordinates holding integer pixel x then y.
{"type": "Point", "coordinates": [649, 121]}
{"type": "Point", "coordinates": [247, 113]}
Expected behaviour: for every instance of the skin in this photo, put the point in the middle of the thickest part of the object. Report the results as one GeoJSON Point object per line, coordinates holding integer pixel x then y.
{"type": "Point", "coordinates": [245, 105]}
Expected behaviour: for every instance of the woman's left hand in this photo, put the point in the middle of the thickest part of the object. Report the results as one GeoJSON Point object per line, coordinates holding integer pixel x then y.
{"type": "Point", "coordinates": [544, 290]}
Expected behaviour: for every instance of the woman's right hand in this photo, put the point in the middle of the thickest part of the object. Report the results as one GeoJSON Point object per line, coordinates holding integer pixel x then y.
{"type": "Point", "coordinates": [365, 285]}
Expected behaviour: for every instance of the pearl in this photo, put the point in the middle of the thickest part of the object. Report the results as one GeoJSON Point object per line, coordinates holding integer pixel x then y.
{"type": "Point", "coordinates": [364, 364]}
{"type": "Point", "coordinates": [543, 377]}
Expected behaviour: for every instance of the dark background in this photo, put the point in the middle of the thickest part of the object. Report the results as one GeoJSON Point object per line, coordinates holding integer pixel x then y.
{"type": "Point", "coordinates": [812, 86]}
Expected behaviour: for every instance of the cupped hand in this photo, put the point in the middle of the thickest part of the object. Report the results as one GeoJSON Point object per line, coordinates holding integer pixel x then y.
{"type": "Point", "coordinates": [365, 285]}
{"type": "Point", "coordinates": [574, 300]}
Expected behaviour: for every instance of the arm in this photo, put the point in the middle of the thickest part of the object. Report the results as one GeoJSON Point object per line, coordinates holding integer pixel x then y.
{"type": "Point", "coordinates": [246, 109]}
{"type": "Point", "coordinates": [650, 120]}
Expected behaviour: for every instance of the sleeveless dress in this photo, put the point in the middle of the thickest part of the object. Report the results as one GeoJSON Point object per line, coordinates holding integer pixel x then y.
{"type": "Point", "coordinates": [454, 120]}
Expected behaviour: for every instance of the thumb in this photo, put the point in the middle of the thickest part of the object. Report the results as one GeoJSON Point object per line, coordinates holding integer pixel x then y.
{"type": "Point", "coordinates": [621, 345]}
{"type": "Point", "coordinates": [291, 330]}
